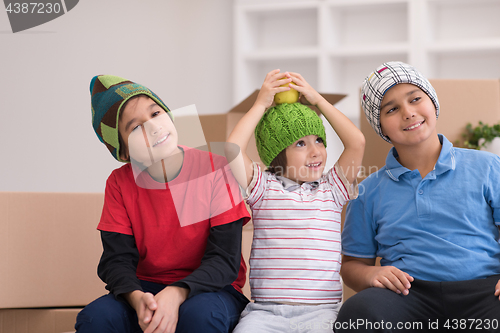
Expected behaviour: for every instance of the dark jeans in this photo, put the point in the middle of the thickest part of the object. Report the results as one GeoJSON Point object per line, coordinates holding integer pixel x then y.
{"type": "Point", "coordinates": [458, 306]}
{"type": "Point", "coordinates": [208, 312]}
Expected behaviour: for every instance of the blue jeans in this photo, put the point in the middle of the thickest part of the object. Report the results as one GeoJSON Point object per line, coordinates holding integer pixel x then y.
{"type": "Point", "coordinates": [208, 312]}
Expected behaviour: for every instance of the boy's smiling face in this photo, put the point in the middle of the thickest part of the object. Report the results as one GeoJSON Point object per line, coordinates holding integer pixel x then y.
{"type": "Point", "coordinates": [407, 115]}
{"type": "Point", "coordinates": [148, 134]}
{"type": "Point", "coordinates": [305, 159]}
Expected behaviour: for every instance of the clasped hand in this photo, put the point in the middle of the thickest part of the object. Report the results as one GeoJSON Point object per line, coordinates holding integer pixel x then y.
{"type": "Point", "coordinates": [159, 313]}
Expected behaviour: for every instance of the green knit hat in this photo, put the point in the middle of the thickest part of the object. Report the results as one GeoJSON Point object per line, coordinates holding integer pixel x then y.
{"type": "Point", "coordinates": [284, 124]}
{"type": "Point", "coordinates": [108, 94]}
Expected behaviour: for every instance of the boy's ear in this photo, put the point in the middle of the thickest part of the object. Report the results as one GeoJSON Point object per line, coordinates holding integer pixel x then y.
{"type": "Point", "coordinates": [383, 132]}
{"type": "Point", "coordinates": [124, 155]}
{"type": "Point", "coordinates": [123, 152]}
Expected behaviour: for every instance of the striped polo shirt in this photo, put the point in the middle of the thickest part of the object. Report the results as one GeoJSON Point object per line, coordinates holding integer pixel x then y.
{"type": "Point", "coordinates": [296, 248]}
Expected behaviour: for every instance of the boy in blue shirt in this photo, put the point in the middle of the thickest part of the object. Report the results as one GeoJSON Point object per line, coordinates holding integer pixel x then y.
{"type": "Point", "coordinates": [432, 215]}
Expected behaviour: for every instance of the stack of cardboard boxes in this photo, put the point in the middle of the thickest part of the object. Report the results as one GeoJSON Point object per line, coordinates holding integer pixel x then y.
{"type": "Point", "coordinates": [49, 250]}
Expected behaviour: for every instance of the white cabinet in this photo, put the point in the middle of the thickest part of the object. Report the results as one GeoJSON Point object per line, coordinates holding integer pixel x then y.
{"type": "Point", "coordinates": [335, 44]}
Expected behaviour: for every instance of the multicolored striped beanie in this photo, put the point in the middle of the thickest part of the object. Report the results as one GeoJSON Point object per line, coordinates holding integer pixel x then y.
{"type": "Point", "coordinates": [284, 124]}
{"type": "Point", "coordinates": [108, 95]}
{"type": "Point", "coordinates": [382, 79]}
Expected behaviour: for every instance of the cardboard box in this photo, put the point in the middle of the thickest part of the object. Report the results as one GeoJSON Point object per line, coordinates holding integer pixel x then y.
{"type": "Point", "coordinates": [38, 320]}
{"type": "Point", "coordinates": [50, 249]}
{"type": "Point", "coordinates": [460, 101]}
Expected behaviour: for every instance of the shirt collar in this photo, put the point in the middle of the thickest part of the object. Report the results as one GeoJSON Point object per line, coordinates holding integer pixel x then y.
{"type": "Point", "coordinates": [290, 185]}
{"type": "Point", "coordinates": [446, 160]}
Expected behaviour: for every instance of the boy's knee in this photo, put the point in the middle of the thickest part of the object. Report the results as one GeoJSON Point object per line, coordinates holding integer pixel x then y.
{"type": "Point", "coordinates": [364, 305]}
{"type": "Point", "coordinates": [201, 308]}
{"type": "Point", "coordinates": [354, 307]}
{"type": "Point", "coordinates": [106, 314]}
{"type": "Point", "coordinates": [368, 310]}
{"type": "Point", "coordinates": [211, 312]}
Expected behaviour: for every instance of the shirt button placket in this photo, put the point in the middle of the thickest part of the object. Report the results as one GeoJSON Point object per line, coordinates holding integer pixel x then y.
{"type": "Point", "coordinates": [423, 208]}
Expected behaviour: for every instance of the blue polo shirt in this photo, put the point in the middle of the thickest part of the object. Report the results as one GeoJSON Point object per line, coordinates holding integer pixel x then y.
{"type": "Point", "coordinates": [440, 228]}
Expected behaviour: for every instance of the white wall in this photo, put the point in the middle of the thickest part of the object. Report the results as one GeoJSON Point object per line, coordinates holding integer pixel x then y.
{"type": "Point", "coordinates": [180, 49]}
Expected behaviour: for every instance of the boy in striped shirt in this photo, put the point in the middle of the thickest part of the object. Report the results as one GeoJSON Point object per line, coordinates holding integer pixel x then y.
{"type": "Point", "coordinates": [295, 259]}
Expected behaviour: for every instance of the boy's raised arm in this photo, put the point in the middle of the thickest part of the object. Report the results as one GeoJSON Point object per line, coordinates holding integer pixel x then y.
{"type": "Point", "coordinates": [349, 134]}
{"type": "Point", "coordinates": [240, 163]}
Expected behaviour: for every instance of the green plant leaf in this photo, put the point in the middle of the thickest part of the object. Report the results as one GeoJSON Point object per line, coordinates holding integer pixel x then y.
{"type": "Point", "coordinates": [473, 134]}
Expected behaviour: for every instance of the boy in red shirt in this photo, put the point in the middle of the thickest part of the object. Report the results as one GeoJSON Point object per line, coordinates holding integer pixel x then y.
{"type": "Point", "coordinates": [170, 227]}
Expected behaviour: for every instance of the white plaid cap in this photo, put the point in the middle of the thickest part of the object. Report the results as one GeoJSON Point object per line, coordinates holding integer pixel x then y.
{"type": "Point", "coordinates": [382, 79]}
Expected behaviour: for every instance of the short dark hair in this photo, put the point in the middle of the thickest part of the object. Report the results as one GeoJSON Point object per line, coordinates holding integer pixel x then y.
{"type": "Point", "coordinates": [278, 165]}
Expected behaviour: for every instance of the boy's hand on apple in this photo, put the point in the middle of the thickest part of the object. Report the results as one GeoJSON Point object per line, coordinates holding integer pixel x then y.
{"type": "Point", "coordinates": [308, 94]}
{"type": "Point", "coordinates": [290, 96]}
{"type": "Point", "coordinates": [271, 86]}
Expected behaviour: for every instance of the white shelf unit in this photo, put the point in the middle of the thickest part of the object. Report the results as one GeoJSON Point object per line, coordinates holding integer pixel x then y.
{"type": "Point", "coordinates": [463, 38]}
{"type": "Point", "coordinates": [335, 44]}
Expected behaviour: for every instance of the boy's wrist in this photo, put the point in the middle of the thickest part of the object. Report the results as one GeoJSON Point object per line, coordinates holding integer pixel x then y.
{"type": "Point", "coordinates": [133, 298]}
{"type": "Point", "coordinates": [321, 101]}
{"type": "Point", "coordinates": [182, 292]}
{"type": "Point", "coordinates": [316, 101]}
{"type": "Point", "coordinates": [323, 106]}
{"type": "Point", "coordinates": [174, 294]}
{"type": "Point", "coordinates": [259, 107]}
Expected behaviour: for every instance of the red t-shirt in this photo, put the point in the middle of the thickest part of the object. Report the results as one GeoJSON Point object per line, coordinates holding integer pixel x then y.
{"type": "Point", "coordinates": [171, 222]}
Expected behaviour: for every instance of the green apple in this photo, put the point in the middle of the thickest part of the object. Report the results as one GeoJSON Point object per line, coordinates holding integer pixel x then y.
{"type": "Point", "coordinates": [289, 96]}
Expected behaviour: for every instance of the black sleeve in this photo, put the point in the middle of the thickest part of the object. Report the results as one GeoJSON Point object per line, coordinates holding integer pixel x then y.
{"type": "Point", "coordinates": [221, 262]}
{"type": "Point", "coordinates": [118, 264]}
